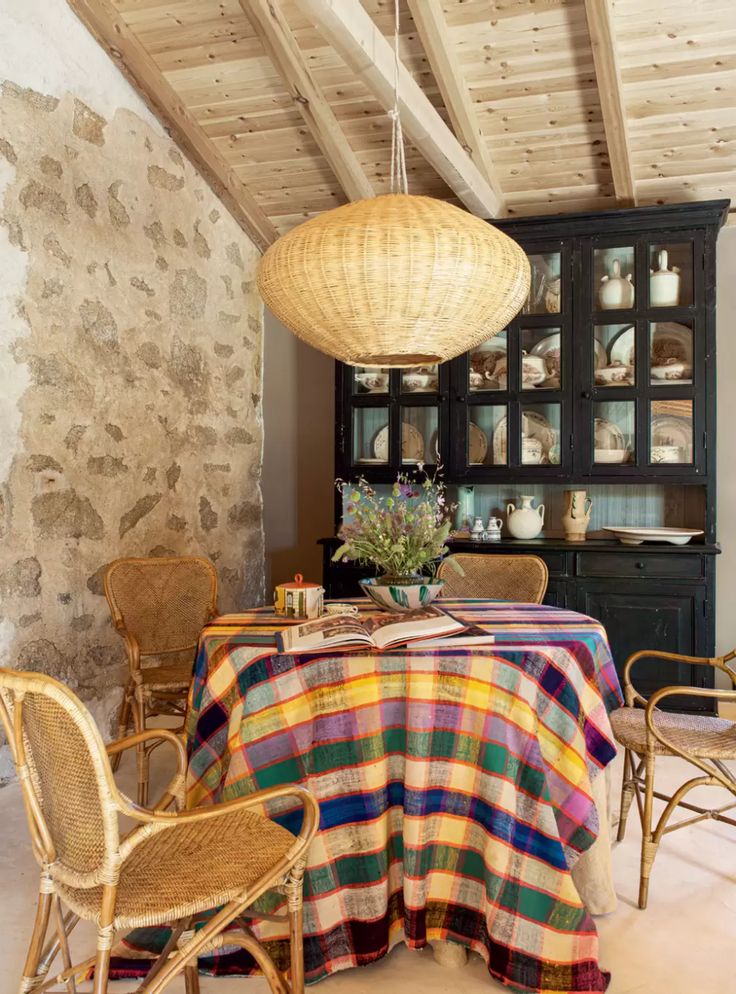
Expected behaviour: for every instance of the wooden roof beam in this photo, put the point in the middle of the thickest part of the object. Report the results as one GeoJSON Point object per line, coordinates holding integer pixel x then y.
{"type": "Point", "coordinates": [433, 34]}
{"type": "Point", "coordinates": [108, 27]}
{"type": "Point", "coordinates": [610, 94]}
{"type": "Point", "coordinates": [354, 36]}
{"type": "Point", "coordinates": [276, 36]}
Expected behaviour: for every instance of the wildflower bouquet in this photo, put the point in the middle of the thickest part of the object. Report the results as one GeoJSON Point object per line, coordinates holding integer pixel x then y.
{"type": "Point", "coordinates": [403, 533]}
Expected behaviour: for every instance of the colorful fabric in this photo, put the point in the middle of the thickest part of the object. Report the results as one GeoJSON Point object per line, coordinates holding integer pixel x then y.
{"type": "Point", "coordinates": [454, 786]}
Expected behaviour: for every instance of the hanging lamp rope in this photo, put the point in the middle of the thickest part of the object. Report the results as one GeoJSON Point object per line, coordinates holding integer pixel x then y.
{"type": "Point", "coordinates": [399, 181]}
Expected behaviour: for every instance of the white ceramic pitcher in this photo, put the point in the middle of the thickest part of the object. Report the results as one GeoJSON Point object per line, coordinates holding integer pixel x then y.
{"type": "Point", "coordinates": [525, 521]}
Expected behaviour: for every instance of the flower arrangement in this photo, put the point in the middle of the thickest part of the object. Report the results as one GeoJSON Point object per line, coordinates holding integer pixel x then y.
{"type": "Point", "coordinates": [402, 533]}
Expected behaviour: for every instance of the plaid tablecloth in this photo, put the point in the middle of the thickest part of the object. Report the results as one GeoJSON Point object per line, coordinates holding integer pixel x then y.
{"type": "Point", "coordinates": [454, 786]}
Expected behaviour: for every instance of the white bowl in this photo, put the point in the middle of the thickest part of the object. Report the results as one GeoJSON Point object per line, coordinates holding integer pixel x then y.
{"type": "Point", "coordinates": [611, 455]}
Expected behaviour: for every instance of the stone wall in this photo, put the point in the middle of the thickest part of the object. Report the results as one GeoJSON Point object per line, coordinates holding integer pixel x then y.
{"type": "Point", "coordinates": [130, 378]}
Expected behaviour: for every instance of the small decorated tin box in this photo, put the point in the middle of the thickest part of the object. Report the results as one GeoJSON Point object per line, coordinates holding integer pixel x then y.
{"type": "Point", "coordinates": [299, 599]}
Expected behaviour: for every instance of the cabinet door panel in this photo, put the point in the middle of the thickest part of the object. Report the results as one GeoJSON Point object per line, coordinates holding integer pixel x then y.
{"type": "Point", "coordinates": [557, 593]}
{"type": "Point", "coordinates": [636, 618]}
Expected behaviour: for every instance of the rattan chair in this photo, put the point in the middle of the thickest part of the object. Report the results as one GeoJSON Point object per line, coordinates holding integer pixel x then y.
{"type": "Point", "coordinates": [502, 578]}
{"type": "Point", "coordinates": [159, 605]}
{"type": "Point", "coordinates": [169, 867]}
{"type": "Point", "coordinates": [646, 732]}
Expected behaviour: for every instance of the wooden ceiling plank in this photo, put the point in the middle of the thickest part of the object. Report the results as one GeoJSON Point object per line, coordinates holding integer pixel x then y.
{"type": "Point", "coordinates": [108, 27]}
{"type": "Point", "coordinates": [352, 33]}
{"type": "Point", "coordinates": [272, 28]}
{"type": "Point", "coordinates": [610, 91]}
{"type": "Point", "coordinates": [434, 36]}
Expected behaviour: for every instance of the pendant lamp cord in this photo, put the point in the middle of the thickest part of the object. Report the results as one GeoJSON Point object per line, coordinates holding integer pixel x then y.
{"type": "Point", "coordinates": [399, 182]}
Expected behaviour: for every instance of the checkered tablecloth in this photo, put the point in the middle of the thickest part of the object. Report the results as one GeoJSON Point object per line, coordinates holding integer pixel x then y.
{"type": "Point", "coordinates": [454, 785]}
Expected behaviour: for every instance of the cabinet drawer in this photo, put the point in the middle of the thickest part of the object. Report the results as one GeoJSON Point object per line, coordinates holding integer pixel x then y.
{"type": "Point", "coordinates": [556, 562]}
{"type": "Point", "coordinates": [639, 564]}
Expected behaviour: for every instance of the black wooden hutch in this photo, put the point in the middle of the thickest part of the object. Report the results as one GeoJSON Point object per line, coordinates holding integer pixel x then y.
{"type": "Point", "coordinates": [622, 399]}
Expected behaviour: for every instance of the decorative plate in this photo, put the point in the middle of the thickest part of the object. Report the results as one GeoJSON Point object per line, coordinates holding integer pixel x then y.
{"type": "Point", "coordinates": [533, 425]}
{"type": "Point", "coordinates": [412, 444]}
{"type": "Point", "coordinates": [622, 349]}
{"type": "Point", "coordinates": [549, 350]}
{"type": "Point", "coordinates": [635, 536]}
{"type": "Point", "coordinates": [477, 445]}
{"type": "Point", "coordinates": [484, 357]}
{"type": "Point", "coordinates": [668, 429]}
{"type": "Point", "coordinates": [671, 341]}
{"type": "Point", "coordinates": [608, 435]}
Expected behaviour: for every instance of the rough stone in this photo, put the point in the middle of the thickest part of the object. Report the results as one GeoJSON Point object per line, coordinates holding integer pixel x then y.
{"type": "Point", "coordinates": [234, 256]}
{"type": "Point", "coordinates": [254, 324]}
{"type": "Point", "coordinates": [43, 198]}
{"type": "Point", "coordinates": [99, 324]}
{"type": "Point", "coordinates": [155, 232]}
{"type": "Point", "coordinates": [179, 239]}
{"type": "Point", "coordinates": [142, 507]}
{"type": "Point", "coordinates": [15, 233]}
{"type": "Point", "coordinates": [38, 463]}
{"type": "Point", "coordinates": [74, 437]}
{"type": "Point", "coordinates": [175, 156]}
{"type": "Point", "coordinates": [38, 101]}
{"type": "Point", "coordinates": [161, 550]}
{"type": "Point", "coordinates": [138, 284]}
{"type": "Point", "coordinates": [110, 278]}
{"type": "Point", "coordinates": [224, 318]}
{"type": "Point", "coordinates": [201, 245]}
{"type": "Point", "coordinates": [161, 263]}
{"type": "Point", "coordinates": [7, 151]}
{"type": "Point", "coordinates": [64, 514]}
{"type": "Point", "coordinates": [106, 465]}
{"type": "Point", "coordinates": [64, 598]}
{"type": "Point", "coordinates": [234, 375]}
{"type": "Point", "coordinates": [150, 354]}
{"type": "Point", "coordinates": [150, 475]}
{"type": "Point", "coordinates": [82, 622]}
{"type": "Point", "coordinates": [214, 215]}
{"type": "Point", "coordinates": [51, 167]}
{"type": "Point", "coordinates": [56, 371]}
{"type": "Point", "coordinates": [227, 280]}
{"type": "Point", "coordinates": [115, 432]}
{"type": "Point", "coordinates": [187, 295]}
{"type": "Point", "coordinates": [243, 514]}
{"type": "Point", "coordinates": [52, 288]}
{"type": "Point", "coordinates": [53, 247]}
{"type": "Point", "coordinates": [95, 583]}
{"type": "Point", "coordinates": [187, 367]}
{"type": "Point", "coordinates": [239, 436]}
{"type": "Point", "coordinates": [202, 436]}
{"type": "Point", "coordinates": [164, 180]}
{"type": "Point", "coordinates": [172, 475]}
{"type": "Point", "coordinates": [223, 351]}
{"type": "Point", "coordinates": [26, 620]}
{"type": "Point", "coordinates": [21, 579]}
{"type": "Point", "coordinates": [208, 517]}
{"type": "Point", "coordinates": [216, 467]}
{"type": "Point", "coordinates": [87, 124]}
{"type": "Point", "coordinates": [119, 216]}
{"type": "Point", "coordinates": [175, 523]}
{"type": "Point", "coordinates": [85, 198]}
{"type": "Point", "coordinates": [42, 656]}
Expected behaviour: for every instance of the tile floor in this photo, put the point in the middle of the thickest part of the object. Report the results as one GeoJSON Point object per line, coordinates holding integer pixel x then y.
{"type": "Point", "coordinates": [682, 944]}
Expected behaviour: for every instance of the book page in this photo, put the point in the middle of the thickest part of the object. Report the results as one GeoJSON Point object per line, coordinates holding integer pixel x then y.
{"type": "Point", "coordinates": [335, 629]}
{"type": "Point", "coordinates": [388, 630]}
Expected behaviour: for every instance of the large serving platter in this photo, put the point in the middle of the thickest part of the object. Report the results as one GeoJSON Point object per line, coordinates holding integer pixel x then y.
{"type": "Point", "coordinates": [635, 536]}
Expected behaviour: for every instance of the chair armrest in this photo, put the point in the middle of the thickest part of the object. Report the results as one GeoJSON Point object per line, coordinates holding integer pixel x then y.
{"type": "Point", "coordinates": [174, 790]}
{"type": "Point", "coordinates": [154, 821]}
{"type": "Point", "coordinates": [656, 732]}
{"type": "Point", "coordinates": [632, 695]}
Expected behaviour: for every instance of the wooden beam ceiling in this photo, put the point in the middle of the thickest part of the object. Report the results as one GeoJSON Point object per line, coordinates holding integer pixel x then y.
{"type": "Point", "coordinates": [610, 93]}
{"type": "Point", "coordinates": [279, 42]}
{"type": "Point", "coordinates": [434, 36]}
{"type": "Point", "coordinates": [352, 33]}
{"type": "Point", "coordinates": [103, 21]}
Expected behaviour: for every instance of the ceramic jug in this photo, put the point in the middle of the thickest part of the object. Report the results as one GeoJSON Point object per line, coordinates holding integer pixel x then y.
{"type": "Point", "coordinates": [299, 599]}
{"type": "Point", "coordinates": [576, 518]}
{"type": "Point", "coordinates": [615, 292]}
{"type": "Point", "coordinates": [664, 284]}
{"type": "Point", "coordinates": [525, 521]}
{"type": "Point", "coordinates": [476, 532]}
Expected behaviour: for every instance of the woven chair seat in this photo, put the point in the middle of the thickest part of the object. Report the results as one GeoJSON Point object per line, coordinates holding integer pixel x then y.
{"type": "Point", "coordinates": [187, 869]}
{"type": "Point", "coordinates": [700, 735]}
{"type": "Point", "coordinates": [172, 677]}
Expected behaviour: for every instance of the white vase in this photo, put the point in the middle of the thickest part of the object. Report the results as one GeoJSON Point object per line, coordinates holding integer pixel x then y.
{"type": "Point", "coordinates": [664, 284]}
{"type": "Point", "coordinates": [525, 521]}
{"type": "Point", "coordinates": [615, 292]}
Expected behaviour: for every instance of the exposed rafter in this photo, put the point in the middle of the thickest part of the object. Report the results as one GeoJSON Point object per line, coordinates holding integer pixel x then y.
{"type": "Point", "coordinates": [111, 31]}
{"type": "Point", "coordinates": [433, 34]}
{"type": "Point", "coordinates": [272, 28]}
{"type": "Point", "coordinates": [610, 94]}
{"type": "Point", "coordinates": [352, 33]}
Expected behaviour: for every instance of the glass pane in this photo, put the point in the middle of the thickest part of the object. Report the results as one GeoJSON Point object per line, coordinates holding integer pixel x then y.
{"type": "Point", "coordinates": [614, 431]}
{"type": "Point", "coordinates": [670, 353]}
{"type": "Point", "coordinates": [420, 379]}
{"type": "Point", "coordinates": [614, 354]}
{"type": "Point", "coordinates": [671, 431]}
{"type": "Point", "coordinates": [545, 288]}
{"type": "Point", "coordinates": [671, 274]}
{"type": "Point", "coordinates": [540, 434]}
{"type": "Point", "coordinates": [366, 380]}
{"type": "Point", "coordinates": [613, 277]}
{"type": "Point", "coordinates": [370, 435]}
{"type": "Point", "coordinates": [487, 426]}
{"type": "Point", "coordinates": [420, 439]}
{"type": "Point", "coordinates": [541, 360]}
{"type": "Point", "coordinates": [487, 367]}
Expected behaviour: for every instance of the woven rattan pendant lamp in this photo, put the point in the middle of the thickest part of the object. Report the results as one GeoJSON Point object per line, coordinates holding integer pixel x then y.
{"type": "Point", "coordinates": [394, 280]}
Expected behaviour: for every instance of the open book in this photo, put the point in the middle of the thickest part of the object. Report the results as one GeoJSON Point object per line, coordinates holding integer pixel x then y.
{"type": "Point", "coordinates": [376, 632]}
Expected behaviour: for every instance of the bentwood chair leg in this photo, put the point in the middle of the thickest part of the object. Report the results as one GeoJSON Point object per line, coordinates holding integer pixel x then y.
{"type": "Point", "coordinates": [102, 964]}
{"type": "Point", "coordinates": [627, 793]}
{"type": "Point", "coordinates": [648, 847]}
{"type": "Point", "coordinates": [191, 980]}
{"type": "Point", "coordinates": [296, 935]}
{"type": "Point", "coordinates": [123, 723]}
{"type": "Point", "coordinates": [35, 949]}
{"type": "Point", "coordinates": [141, 753]}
